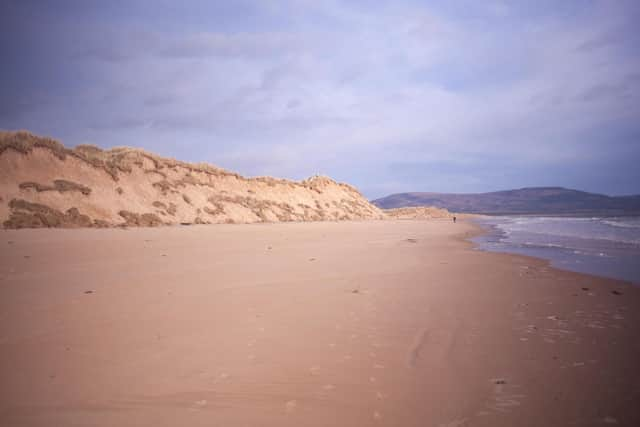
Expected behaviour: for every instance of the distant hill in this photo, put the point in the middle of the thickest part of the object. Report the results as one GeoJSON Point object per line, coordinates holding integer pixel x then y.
{"type": "Point", "coordinates": [45, 184]}
{"type": "Point", "coordinates": [538, 200]}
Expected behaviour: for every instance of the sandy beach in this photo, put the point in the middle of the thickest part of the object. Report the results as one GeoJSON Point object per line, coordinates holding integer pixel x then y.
{"type": "Point", "coordinates": [390, 323]}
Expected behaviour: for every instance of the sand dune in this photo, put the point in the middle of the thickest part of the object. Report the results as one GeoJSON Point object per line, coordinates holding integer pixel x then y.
{"type": "Point", "coordinates": [44, 184]}
{"type": "Point", "coordinates": [417, 212]}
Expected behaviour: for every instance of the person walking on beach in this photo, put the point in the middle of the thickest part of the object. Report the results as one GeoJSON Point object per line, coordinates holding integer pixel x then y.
{"type": "Point", "coordinates": [454, 219]}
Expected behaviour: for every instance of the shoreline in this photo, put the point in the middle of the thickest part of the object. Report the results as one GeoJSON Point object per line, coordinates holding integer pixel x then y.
{"type": "Point", "coordinates": [553, 262]}
{"type": "Point", "coordinates": [348, 323]}
{"type": "Point", "coordinates": [543, 261]}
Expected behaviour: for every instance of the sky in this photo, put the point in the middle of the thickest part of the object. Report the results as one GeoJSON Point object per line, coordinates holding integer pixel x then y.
{"type": "Point", "coordinates": [443, 96]}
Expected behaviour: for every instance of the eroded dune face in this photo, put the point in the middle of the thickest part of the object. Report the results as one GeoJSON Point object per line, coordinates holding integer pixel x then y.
{"type": "Point", "coordinates": [44, 184]}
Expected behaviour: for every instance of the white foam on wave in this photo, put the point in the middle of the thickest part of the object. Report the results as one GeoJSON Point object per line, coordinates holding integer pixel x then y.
{"type": "Point", "coordinates": [546, 245]}
{"type": "Point", "coordinates": [622, 223]}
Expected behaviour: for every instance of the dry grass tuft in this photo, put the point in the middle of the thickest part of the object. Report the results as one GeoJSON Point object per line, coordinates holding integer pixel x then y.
{"type": "Point", "coordinates": [35, 215]}
{"type": "Point", "coordinates": [59, 185]}
{"type": "Point", "coordinates": [23, 142]}
{"type": "Point", "coordinates": [140, 220]}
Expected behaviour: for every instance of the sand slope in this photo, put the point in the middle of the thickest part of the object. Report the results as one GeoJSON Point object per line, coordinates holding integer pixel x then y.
{"type": "Point", "coordinates": [44, 184]}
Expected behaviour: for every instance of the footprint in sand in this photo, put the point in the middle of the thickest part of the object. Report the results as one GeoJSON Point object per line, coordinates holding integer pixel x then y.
{"type": "Point", "coordinates": [459, 422]}
{"type": "Point", "coordinates": [377, 415]}
{"type": "Point", "coordinates": [290, 406]}
{"type": "Point", "coordinates": [416, 348]}
{"type": "Point", "coordinates": [503, 400]}
{"type": "Point", "coordinates": [314, 370]}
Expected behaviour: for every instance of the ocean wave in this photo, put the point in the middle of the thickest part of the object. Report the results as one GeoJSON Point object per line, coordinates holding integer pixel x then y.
{"type": "Point", "coordinates": [546, 245]}
{"type": "Point", "coordinates": [605, 230]}
{"type": "Point", "coordinates": [546, 235]}
{"type": "Point", "coordinates": [622, 224]}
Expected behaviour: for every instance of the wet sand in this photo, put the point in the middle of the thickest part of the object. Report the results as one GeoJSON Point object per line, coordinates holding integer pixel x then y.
{"type": "Point", "coordinates": [390, 323]}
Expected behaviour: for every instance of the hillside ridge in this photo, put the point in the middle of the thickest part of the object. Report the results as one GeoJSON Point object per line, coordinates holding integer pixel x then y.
{"type": "Point", "coordinates": [528, 200]}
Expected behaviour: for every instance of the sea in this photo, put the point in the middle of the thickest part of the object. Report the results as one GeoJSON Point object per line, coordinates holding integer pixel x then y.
{"type": "Point", "coordinates": [601, 246]}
